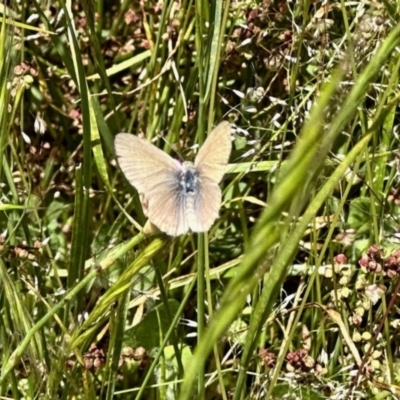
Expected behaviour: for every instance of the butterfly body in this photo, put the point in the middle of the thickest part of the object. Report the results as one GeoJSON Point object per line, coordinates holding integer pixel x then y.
{"type": "Point", "coordinates": [189, 179]}
{"type": "Point", "coordinates": [177, 197]}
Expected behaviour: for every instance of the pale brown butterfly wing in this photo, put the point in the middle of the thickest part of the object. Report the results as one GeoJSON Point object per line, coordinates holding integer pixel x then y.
{"type": "Point", "coordinates": [156, 176]}
{"type": "Point", "coordinates": [213, 156]}
{"type": "Point", "coordinates": [203, 208]}
{"type": "Point", "coordinates": [210, 163]}
{"type": "Point", "coordinates": [167, 209]}
{"type": "Point", "coordinates": [144, 165]}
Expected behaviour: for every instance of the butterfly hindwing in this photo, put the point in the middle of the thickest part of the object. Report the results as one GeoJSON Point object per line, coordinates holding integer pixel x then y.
{"type": "Point", "coordinates": [166, 208]}
{"type": "Point", "coordinates": [203, 209]}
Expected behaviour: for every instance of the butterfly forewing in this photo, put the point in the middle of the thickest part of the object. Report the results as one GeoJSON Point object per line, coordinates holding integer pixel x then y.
{"type": "Point", "coordinates": [144, 165]}
{"type": "Point", "coordinates": [213, 156]}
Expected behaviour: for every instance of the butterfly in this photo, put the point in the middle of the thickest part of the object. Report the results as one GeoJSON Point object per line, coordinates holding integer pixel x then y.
{"type": "Point", "coordinates": [177, 197]}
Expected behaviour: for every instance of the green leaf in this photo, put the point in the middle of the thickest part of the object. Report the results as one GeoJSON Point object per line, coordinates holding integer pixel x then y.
{"type": "Point", "coordinates": [149, 332]}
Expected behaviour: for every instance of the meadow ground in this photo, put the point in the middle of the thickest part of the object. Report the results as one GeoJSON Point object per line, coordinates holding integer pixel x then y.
{"type": "Point", "coordinates": [293, 293]}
